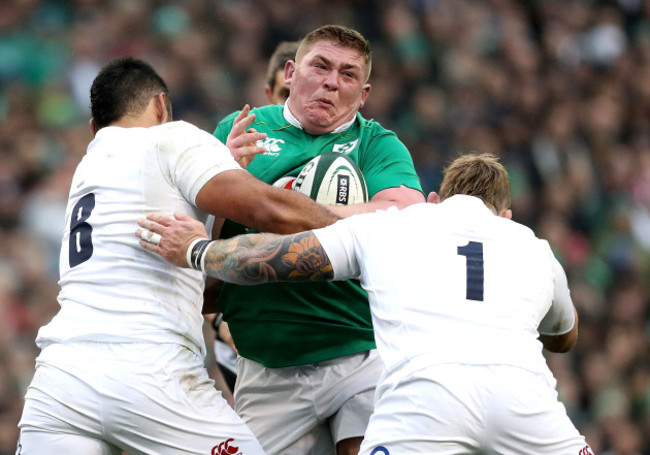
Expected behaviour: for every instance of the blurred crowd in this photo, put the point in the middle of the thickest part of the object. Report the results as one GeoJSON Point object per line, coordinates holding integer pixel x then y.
{"type": "Point", "coordinates": [559, 89]}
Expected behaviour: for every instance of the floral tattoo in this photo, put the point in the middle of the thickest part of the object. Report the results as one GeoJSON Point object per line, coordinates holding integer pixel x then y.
{"type": "Point", "coordinates": [267, 258]}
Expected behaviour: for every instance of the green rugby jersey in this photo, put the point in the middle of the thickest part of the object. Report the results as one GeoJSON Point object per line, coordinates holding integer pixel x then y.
{"type": "Point", "coordinates": [280, 324]}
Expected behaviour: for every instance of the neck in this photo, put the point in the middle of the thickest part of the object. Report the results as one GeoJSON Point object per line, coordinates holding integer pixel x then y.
{"type": "Point", "coordinates": [140, 121]}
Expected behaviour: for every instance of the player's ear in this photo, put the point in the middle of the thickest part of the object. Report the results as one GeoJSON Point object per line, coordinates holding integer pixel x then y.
{"type": "Point", "coordinates": [433, 198]}
{"type": "Point", "coordinates": [93, 126]}
{"type": "Point", "coordinates": [161, 108]}
{"type": "Point", "coordinates": [289, 69]}
{"type": "Point", "coordinates": [267, 90]}
{"type": "Point", "coordinates": [506, 213]}
{"type": "Point", "coordinates": [365, 91]}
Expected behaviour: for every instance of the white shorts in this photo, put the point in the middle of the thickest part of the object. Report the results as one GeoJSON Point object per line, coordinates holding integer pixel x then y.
{"type": "Point", "coordinates": [141, 398]}
{"type": "Point", "coordinates": [454, 409]}
{"type": "Point", "coordinates": [309, 408]}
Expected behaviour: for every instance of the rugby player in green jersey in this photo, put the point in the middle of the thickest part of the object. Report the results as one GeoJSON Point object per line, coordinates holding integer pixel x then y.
{"type": "Point", "coordinates": [307, 366]}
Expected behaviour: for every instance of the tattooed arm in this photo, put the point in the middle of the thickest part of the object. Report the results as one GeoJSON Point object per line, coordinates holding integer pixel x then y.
{"type": "Point", "coordinates": [267, 258]}
{"type": "Point", "coordinates": [245, 259]}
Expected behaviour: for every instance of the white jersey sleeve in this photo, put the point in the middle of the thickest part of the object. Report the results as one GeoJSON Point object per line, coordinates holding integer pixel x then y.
{"type": "Point", "coordinates": [560, 318]}
{"type": "Point", "coordinates": [338, 241]}
{"type": "Point", "coordinates": [189, 157]}
{"type": "Point", "coordinates": [112, 289]}
{"type": "Point", "coordinates": [341, 239]}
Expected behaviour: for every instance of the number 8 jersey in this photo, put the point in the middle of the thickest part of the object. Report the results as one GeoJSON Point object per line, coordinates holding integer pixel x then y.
{"type": "Point", "coordinates": [112, 290]}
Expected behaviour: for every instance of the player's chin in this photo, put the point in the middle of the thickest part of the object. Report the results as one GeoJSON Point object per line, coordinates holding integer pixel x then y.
{"type": "Point", "coordinates": [326, 112]}
{"type": "Point", "coordinates": [322, 123]}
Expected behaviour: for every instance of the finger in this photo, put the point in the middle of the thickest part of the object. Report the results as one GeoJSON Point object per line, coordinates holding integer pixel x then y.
{"type": "Point", "coordinates": [247, 138]}
{"type": "Point", "coordinates": [149, 246]}
{"type": "Point", "coordinates": [244, 117]}
{"type": "Point", "coordinates": [152, 226]}
{"type": "Point", "coordinates": [249, 152]}
{"type": "Point", "coordinates": [182, 217]}
{"type": "Point", "coordinates": [253, 136]}
{"type": "Point", "coordinates": [159, 218]}
{"type": "Point", "coordinates": [243, 113]}
{"type": "Point", "coordinates": [240, 126]}
{"type": "Point", "coordinates": [255, 150]}
{"type": "Point", "coordinates": [153, 238]}
{"type": "Point", "coordinates": [149, 236]}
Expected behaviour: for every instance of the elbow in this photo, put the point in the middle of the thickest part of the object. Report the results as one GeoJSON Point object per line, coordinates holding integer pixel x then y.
{"type": "Point", "coordinates": [560, 343]}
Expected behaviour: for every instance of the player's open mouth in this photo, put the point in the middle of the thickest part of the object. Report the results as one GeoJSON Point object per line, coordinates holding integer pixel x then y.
{"type": "Point", "coordinates": [324, 102]}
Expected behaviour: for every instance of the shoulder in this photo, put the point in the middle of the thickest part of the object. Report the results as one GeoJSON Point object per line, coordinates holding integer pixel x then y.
{"type": "Point", "coordinates": [520, 229]}
{"type": "Point", "coordinates": [176, 127]}
{"type": "Point", "coordinates": [372, 126]}
{"type": "Point", "coordinates": [269, 109]}
{"type": "Point", "coordinates": [178, 136]}
{"type": "Point", "coordinates": [525, 237]}
{"type": "Point", "coordinates": [271, 115]}
{"type": "Point", "coordinates": [377, 139]}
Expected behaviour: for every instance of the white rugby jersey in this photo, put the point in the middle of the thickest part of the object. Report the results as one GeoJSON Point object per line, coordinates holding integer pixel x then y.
{"type": "Point", "coordinates": [452, 283]}
{"type": "Point", "coordinates": [112, 290]}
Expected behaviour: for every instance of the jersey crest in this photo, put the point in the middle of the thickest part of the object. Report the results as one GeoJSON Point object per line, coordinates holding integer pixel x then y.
{"type": "Point", "coordinates": [346, 148]}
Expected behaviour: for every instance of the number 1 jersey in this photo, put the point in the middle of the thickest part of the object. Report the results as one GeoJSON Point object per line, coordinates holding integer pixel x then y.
{"type": "Point", "coordinates": [452, 283]}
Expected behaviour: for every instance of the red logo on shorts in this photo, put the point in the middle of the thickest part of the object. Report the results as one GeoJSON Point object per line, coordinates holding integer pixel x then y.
{"type": "Point", "coordinates": [586, 450]}
{"type": "Point", "coordinates": [226, 449]}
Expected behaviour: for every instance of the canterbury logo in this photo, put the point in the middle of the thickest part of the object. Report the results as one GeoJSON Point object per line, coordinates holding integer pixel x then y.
{"type": "Point", "coordinates": [226, 449]}
{"type": "Point", "coordinates": [271, 145]}
{"type": "Point", "coordinates": [345, 149]}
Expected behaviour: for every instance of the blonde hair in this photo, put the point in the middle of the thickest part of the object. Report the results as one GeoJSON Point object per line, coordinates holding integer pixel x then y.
{"type": "Point", "coordinates": [341, 35]}
{"type": "Point", "coordinates": [479, 175]}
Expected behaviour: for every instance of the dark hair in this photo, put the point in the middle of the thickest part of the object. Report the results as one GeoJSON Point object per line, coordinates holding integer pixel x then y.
{"type": "Point", "coordinates": [286, 50]}
{"type": "Point", "coordinates": [340, 35]}
{"type": "Point", "coordinates": [124, 86]}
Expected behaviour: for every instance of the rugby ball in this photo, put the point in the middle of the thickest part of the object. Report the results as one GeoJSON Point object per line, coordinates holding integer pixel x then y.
{"type": "Point", "coordinates": [285, 182]}
{"type": "Point", "coordinates": [332, 178]}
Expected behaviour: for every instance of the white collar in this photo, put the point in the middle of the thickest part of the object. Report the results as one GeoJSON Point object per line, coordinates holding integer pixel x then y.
{"type": "Point", "coordinates": [295, 122]}
{"type": "Point", "coordinates": [467, 200]}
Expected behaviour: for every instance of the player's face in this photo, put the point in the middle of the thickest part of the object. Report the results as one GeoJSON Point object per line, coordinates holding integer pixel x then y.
{"type": "Point", "coordinates": [280, 91]}
{"type": "Point", "coordinates": [327, 86]}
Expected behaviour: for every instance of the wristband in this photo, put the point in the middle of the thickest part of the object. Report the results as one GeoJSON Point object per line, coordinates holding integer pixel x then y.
{"type": "Point", "coordinates": [196, 254]}
{"type": "Point", "coordinates": [216, 322]}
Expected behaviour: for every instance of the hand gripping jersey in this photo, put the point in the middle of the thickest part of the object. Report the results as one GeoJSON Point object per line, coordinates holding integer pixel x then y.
{"type": "Point", "coordinates": [112, 290]}
{"type": "Point", "coordinates": [452, 283]}
{"type": "Point", "coordinates": [282, 324]}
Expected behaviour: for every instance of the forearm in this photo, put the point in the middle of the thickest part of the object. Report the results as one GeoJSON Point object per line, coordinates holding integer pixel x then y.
{"type": "Point", "coordinates": [266, 258]}
{"type": "Point", "coordinates": [345, 211]}
{"type": "Point", "coordinates": [240, 197]}
{"type": "Point", "coordinates": [391, 197]}
{"type": "Point", "coordinates": [245, 259]}
{"type": "Point", "coordinates": [286, 212]}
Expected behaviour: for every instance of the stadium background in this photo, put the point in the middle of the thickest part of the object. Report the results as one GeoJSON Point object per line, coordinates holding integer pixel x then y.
{"type": "Point", "coordinates": [560, 89]}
